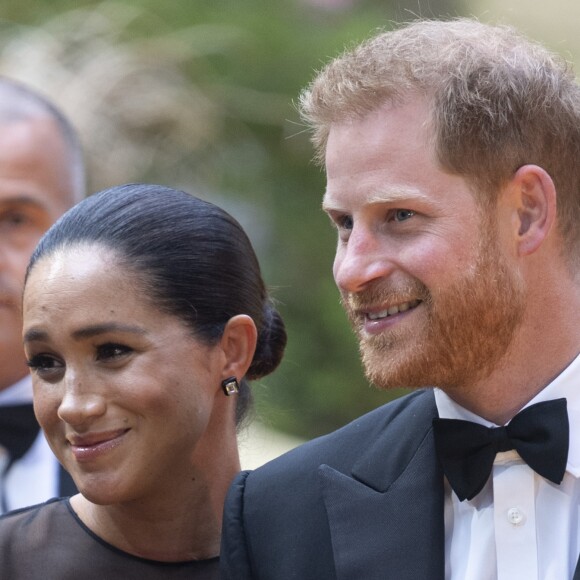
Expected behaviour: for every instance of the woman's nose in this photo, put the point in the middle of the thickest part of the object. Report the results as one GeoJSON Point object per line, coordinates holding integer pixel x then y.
{"type": "Point", "coordinates": [80, 404]}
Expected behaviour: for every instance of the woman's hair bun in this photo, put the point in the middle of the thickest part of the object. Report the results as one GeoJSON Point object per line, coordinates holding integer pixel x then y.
{"type": "Point", "coordinates": [271, 344]}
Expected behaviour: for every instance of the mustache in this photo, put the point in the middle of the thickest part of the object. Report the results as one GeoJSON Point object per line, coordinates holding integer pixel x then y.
{"type": "Point", "coordinates": [381, 293]}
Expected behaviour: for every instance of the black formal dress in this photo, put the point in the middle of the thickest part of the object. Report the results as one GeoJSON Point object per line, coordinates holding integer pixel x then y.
{"type": "Point", "coordinates": [49, 542]}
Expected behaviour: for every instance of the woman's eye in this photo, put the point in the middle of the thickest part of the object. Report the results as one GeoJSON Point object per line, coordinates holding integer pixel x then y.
{"type": "Point", "coordinates": [401, 215]}
{"type": "Point", "coordinates": [112, 351]}
{"type": "Point", "coordinates": [45, 365]}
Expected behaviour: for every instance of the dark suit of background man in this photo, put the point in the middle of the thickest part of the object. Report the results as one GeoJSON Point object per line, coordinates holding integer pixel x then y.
{"type": "Point", "coordinates": [41, 176]}
{"type": "Point", "coordinates": [452, 154]}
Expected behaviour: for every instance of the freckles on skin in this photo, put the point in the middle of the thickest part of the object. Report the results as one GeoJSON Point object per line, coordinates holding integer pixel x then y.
{"type": "Point", "coordinates": [125, 367]}
{"type": "Point", "coordinates": [57, 284]}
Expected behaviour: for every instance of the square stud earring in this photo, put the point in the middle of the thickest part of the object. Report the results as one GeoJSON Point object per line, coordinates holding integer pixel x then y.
{"type": "Point", "coordinates": [230, 386]}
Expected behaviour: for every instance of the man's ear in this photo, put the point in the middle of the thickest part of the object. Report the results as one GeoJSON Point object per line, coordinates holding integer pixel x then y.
{"type": "Point", "coordinates": [534, 197]}
{"type": "Point", "coordinates": [238, 343]}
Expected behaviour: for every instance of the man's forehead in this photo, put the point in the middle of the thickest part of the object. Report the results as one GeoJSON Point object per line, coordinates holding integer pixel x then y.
{"type": "Point", "coordinates": [18, 103]}
{"type": "Point", "coordinates": [34, 164]}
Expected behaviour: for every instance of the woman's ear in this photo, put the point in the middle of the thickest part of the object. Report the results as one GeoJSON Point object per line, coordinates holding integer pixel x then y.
{"type": "Point", "coordinates": [238, 343]}
{"type": "Point", "coordinates": [534, 198]}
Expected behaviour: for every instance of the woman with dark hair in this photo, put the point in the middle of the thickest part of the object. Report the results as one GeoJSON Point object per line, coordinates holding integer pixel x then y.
{"type": "Point", "coordinates": [144, 316]}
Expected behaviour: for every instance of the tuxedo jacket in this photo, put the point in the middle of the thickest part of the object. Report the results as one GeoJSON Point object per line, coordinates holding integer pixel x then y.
{"type": "Point", "coordinates": [363, 503]}
{"type": "Point", "coordinates": [59, 483]}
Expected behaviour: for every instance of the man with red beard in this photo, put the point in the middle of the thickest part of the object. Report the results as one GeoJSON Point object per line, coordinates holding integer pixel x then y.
{"type": "Point", "coordinates": [451, 152]}
{"type": "Point", "coordinates": [41, 176]}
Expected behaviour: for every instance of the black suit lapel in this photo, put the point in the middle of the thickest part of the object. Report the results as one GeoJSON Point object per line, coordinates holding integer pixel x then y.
{"type": "Point", "coordinates": [386, 521]}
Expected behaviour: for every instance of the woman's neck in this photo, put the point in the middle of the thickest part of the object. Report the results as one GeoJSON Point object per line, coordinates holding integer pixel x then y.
{"type": "Point", "coordinates": [182, 524]}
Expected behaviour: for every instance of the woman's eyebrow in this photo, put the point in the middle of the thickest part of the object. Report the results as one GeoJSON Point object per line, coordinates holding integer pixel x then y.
{"type": "Point", "coordinates": [96, 329]}
{"type": "Point", "coordinates": [37, 335]}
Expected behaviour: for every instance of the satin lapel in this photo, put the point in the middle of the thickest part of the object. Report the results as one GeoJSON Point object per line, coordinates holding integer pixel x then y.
{"type": "Point", "coordinates": [577, 573]}
{"type": "Point", "coordinates": [386, 522]}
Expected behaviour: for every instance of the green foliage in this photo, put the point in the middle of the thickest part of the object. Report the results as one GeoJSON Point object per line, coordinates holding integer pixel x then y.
{"type": "Point", "coordinates": [251, 59]}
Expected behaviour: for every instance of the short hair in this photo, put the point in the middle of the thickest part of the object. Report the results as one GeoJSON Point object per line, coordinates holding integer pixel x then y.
{"type": "Point", "coordinates": [498, 101]}
{"type": "Point", "coordinates": [19, 102]}
{"type": "Point", "coordinates": [192, 259]}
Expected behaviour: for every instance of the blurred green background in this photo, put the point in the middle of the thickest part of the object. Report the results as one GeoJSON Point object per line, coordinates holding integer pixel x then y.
{"type": "Point", "coordinates": [199, 94]}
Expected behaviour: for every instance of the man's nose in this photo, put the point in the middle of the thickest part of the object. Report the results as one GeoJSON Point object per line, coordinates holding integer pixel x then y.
{"type": "Point", "coordinates": [362, 260]}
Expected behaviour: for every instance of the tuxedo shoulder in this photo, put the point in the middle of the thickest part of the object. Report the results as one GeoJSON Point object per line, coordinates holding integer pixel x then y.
{"type": "Point", "coordinates": [275, 518]}
{"type": "Point", "coordinates": [343, 447]}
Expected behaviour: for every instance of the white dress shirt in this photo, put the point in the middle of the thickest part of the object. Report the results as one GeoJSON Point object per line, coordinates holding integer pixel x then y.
{"type": "Point", "coordinates": [520, 526]}
{"type": "Point", "coordinates": [35, 477]}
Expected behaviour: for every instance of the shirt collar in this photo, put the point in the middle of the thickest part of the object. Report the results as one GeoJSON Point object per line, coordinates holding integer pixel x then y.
{"type": "Point", "coordinates": [565, 385]}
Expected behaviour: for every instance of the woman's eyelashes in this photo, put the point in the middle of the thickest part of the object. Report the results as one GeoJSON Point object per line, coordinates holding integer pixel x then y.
{"type": "Point", "coordinates": [112, 351]}
{"type": "Point", "coordinates": [48, 365]}
{"type": "Point", "coordinates": [42, 361]}
{"type": "Point", "coordinates": [45, 365]}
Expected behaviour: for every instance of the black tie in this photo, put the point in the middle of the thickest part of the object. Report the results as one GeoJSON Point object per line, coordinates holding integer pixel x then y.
{"type": "Point", "coordinates": [539, 433]}
{"type": "Point", "coordinates": [18, 429]}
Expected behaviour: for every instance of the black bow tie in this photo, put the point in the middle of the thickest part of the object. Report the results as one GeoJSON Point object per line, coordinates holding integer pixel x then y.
{"type": "Point", "coordinates": [539, 433]}
{"type": "Point", "coordinates": [18, 429]}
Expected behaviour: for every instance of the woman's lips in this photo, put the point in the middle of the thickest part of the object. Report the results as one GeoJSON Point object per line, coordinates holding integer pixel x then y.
{"type": "Point", "coordinates": [90, 447]}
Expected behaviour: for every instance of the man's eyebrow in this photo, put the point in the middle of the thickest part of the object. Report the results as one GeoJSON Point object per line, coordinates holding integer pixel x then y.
{"type": "Point", "coordinates": [400, 194]}
{"type": "Point", "coordinates": [21, 200]}
{"type": "Point", "coordinates": [37, 335]}
{"type": "Point", "coordinates": [325, 205]}
{"type": "Point", "coordinates": [391, 195]}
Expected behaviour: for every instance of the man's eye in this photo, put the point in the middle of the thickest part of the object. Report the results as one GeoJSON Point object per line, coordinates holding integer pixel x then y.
{"type": "Point", "coordinates": [401, 215]}
{"type": "Point", "coordinates": [345, 222]}
{"type": "Point", "coordinates": [12, 219]}
{"type": "Point", "coordinates": [112, 351]}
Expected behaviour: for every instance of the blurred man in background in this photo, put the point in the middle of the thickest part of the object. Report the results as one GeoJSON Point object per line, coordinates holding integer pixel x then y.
{"type": "Point", "coordinates": [41, 176]}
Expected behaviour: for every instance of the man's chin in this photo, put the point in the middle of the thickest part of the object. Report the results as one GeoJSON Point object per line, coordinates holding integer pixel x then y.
{"type": "Point", "coordinates": [386, 383]}
{"type": "Point", "coordinates": [388, 370]}
{"type": "Point", "coordinates": [399, 364]}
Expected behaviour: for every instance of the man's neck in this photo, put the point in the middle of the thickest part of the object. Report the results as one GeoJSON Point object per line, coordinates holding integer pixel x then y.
{"type": "Point", "coordinates": [545, 343]}
{"type": "Point", "coordinates": [515, 381]}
